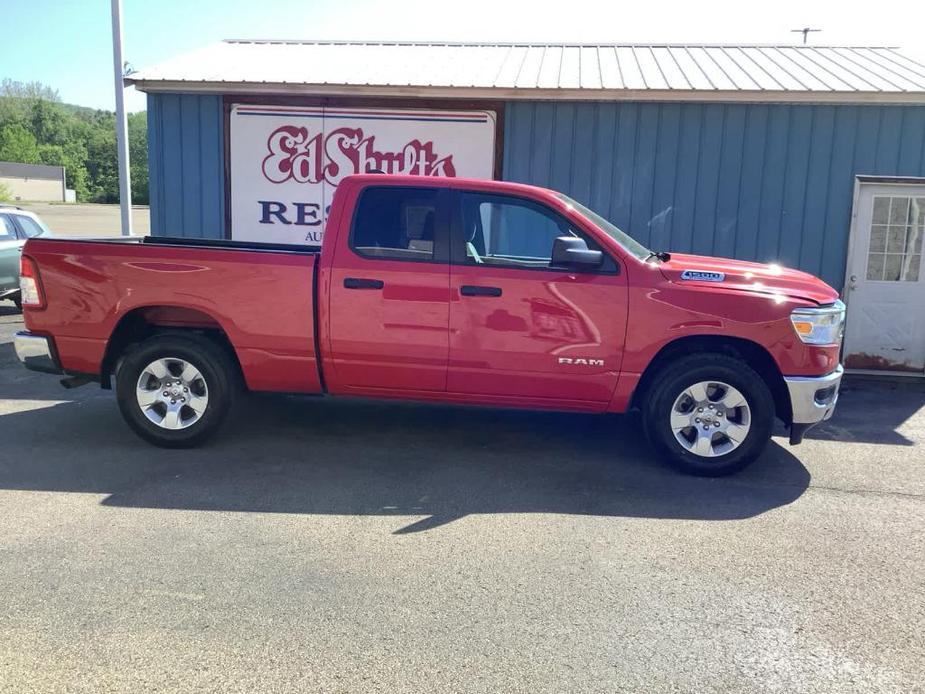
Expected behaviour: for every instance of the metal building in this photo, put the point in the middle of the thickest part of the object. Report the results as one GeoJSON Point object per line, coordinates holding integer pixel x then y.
{"type": "Point", "coordinates": [807, 156]}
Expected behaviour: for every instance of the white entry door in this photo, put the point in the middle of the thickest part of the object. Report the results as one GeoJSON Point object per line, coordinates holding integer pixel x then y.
{"type": "Point", "coordinates": [885, 290]}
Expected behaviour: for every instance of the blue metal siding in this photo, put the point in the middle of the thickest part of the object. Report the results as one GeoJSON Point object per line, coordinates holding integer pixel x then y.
{"type": "Point", "coordinates": [186, 165]}
{"type": "Point", "coordinates": [752, 181]}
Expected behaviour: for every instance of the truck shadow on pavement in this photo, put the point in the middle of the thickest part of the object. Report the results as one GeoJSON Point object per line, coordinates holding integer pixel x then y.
{"type": "Point", "coordinates": [303, 455]}
{"type": "Point", "coordinates": [872, 410]}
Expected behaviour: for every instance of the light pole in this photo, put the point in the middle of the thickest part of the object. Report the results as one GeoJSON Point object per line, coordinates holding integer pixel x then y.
{"type": "Point", "coordinates": [125, 183]}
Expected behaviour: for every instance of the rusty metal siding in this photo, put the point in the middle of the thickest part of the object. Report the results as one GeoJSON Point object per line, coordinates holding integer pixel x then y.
{"type": "Point", "coordinates": [767, 182]}
{"type": "Point", "coordinates": [186, 165]}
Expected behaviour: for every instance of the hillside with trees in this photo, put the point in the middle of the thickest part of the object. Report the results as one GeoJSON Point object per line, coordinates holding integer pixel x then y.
{"type": "Point", "coordinates": [36, 128]}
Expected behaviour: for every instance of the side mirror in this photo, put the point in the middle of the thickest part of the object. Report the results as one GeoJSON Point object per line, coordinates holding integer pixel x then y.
{"type": "Point", "coordinates": [571, 251]}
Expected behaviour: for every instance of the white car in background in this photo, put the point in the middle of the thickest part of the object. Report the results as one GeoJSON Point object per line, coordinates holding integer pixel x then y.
{"type": "Point", "coordinates": [16, 226]}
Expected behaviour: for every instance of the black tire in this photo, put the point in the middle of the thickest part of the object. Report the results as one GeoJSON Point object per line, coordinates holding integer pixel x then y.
{"type": "Point", "coordinates": [218, 375]}
{"type": "Point", "coordinates": [17, 299]}
{"type": "Point", "coordinates": [681, 375]}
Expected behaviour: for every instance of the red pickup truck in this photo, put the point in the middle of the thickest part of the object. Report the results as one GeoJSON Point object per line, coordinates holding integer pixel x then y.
{"type": "Point", "coordinates": [448, 290]}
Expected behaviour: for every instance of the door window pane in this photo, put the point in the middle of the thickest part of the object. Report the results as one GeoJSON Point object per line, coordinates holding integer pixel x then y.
{"type": "Point", "coordinates": [508, 231]}
{"type": "Point", "coordinates": [916, 225]}
{"type": "Point", "coordinates": [881, 210]}
{"type": "Point", "coordinates": [911, 273]}
{"type": "Point", "coordinates": [501, 230]}
{"type": "Point", "coordinates": [397, 223]}
{"type": "Point", "coordinates": [29, 225]}
{"type": "Point", "coordinates": [516, 231]}
{"type": "Point", "coordinates": [899, 210]}
{"type": "Point", "coordinates": [896, 245]}
{"type": "Point", "coordinates": [896, 239]}
{"type": "Point", "coordinates": [7, 229]}
{"type": "Point", "coordinates": [875, 266]}
{"type": "Point", "coordinates": [893, 267]}
{"type": "Point", "coordinates": [878, 238]}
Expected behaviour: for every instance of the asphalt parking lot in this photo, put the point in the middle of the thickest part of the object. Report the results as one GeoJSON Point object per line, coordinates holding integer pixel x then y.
{"type": "Point", "coordinates": [327, 546]}
{"type": "Point", "coordinates": [88, 219]}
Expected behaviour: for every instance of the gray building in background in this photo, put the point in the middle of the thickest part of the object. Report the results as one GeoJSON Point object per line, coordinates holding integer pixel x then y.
{"type": "Point", "coordinates": [34, 182]}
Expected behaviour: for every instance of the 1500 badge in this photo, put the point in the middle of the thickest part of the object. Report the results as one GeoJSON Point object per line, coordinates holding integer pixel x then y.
{"type": "Point", "coordinates": [703, 275]}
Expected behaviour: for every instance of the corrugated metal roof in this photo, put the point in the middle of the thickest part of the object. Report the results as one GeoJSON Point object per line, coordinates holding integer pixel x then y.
{"type": "Point", "coordinates": [529, 70]}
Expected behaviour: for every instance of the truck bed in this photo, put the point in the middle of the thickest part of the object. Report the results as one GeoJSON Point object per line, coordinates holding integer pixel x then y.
{"type": "Point", "coordinates": [260, 296]}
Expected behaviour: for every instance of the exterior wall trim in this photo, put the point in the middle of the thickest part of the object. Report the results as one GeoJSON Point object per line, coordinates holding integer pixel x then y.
{"type": "Point", "coordinates": [508, 94]}
{"type": "Point", "coordinates": [896, 180]}
{"type": "Point", "coordinates": [852, 237]}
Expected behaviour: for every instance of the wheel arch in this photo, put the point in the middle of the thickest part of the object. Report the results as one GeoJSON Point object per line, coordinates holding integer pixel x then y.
{"type": "Point", "coordinates": [752, 353]}
{"type": "Point", "coordinates": [144, 322]}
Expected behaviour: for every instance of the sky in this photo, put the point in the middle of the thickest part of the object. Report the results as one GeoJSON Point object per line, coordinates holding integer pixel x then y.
{"type": "Point", "coordinates": [67, 44]}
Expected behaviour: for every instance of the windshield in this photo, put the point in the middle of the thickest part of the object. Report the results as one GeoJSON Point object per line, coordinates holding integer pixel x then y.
{"type": "Point", "coordinates": [618, 235]}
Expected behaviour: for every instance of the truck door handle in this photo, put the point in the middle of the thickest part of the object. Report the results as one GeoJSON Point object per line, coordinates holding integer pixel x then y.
{"type": "Point", "coordinates": [362, 283]}
{"type": "Point", "coordinates": [472, 290]}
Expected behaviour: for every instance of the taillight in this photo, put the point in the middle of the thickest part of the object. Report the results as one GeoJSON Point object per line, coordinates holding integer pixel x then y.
{"type": "Point", "coordinates": [30, 286]}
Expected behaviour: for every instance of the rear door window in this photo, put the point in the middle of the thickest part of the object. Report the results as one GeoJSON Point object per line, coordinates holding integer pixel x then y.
{"type": "Point", "coordinates": [29, 226]}
{"type": "Point", "coordinates": [400, 223]}
{"type": "Point", "coordinates": [7, 228]}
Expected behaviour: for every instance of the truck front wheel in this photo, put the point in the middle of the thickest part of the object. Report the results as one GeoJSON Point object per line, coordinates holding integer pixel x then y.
{"type": "Point", "coordinates": [709, 414]}
{"type": "Point", "coordinates": [174, 390]}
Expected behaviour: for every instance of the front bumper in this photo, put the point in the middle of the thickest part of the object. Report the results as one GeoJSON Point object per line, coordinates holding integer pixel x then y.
{"type": "Point", "coordinates": [36, 352]}
{"type": "Point", "coordinates": [812, 400]}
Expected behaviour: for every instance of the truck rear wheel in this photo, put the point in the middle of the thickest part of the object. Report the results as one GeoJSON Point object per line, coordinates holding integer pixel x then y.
{"type": "Point", "coordinates": [709, 414]}
{"type": "Point", "coordinates": [174, 390]}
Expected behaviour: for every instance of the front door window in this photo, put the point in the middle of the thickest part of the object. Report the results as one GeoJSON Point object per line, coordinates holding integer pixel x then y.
{"type": "Point", "coordinates": [505, 231]}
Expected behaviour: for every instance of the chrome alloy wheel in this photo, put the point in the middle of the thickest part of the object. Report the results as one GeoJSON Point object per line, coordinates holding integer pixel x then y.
{"type": "Point", "coordinates": [172, 393]}
{"type": "Point", "coordinates": [710, 418]}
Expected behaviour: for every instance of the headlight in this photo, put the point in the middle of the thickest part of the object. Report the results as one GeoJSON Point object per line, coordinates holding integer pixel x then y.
{"type": "Point", "coordinates": [820, 326]}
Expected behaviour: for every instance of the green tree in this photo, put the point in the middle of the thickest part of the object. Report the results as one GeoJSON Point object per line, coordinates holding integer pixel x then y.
{"type": "Point", "coordinates": [18, 144]}
{"type": "Point", "coordinates": [35, 127]}
{"type": "Point", "coordinates": [73, 157]}
{"type": "Point", "coordinates": [138, 155]}
{"type": "Point", "coordinates": [12, 111]}
{"type": "Point", "coordinates": [103, 166]}
{"type": "Point", "coordinates": [50, 124]}
{"type": "Point", "coordinates": [27, 90]}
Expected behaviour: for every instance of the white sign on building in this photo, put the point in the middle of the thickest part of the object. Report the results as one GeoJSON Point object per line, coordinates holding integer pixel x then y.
{"type": "Point", "coordinates": [286, 161]}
